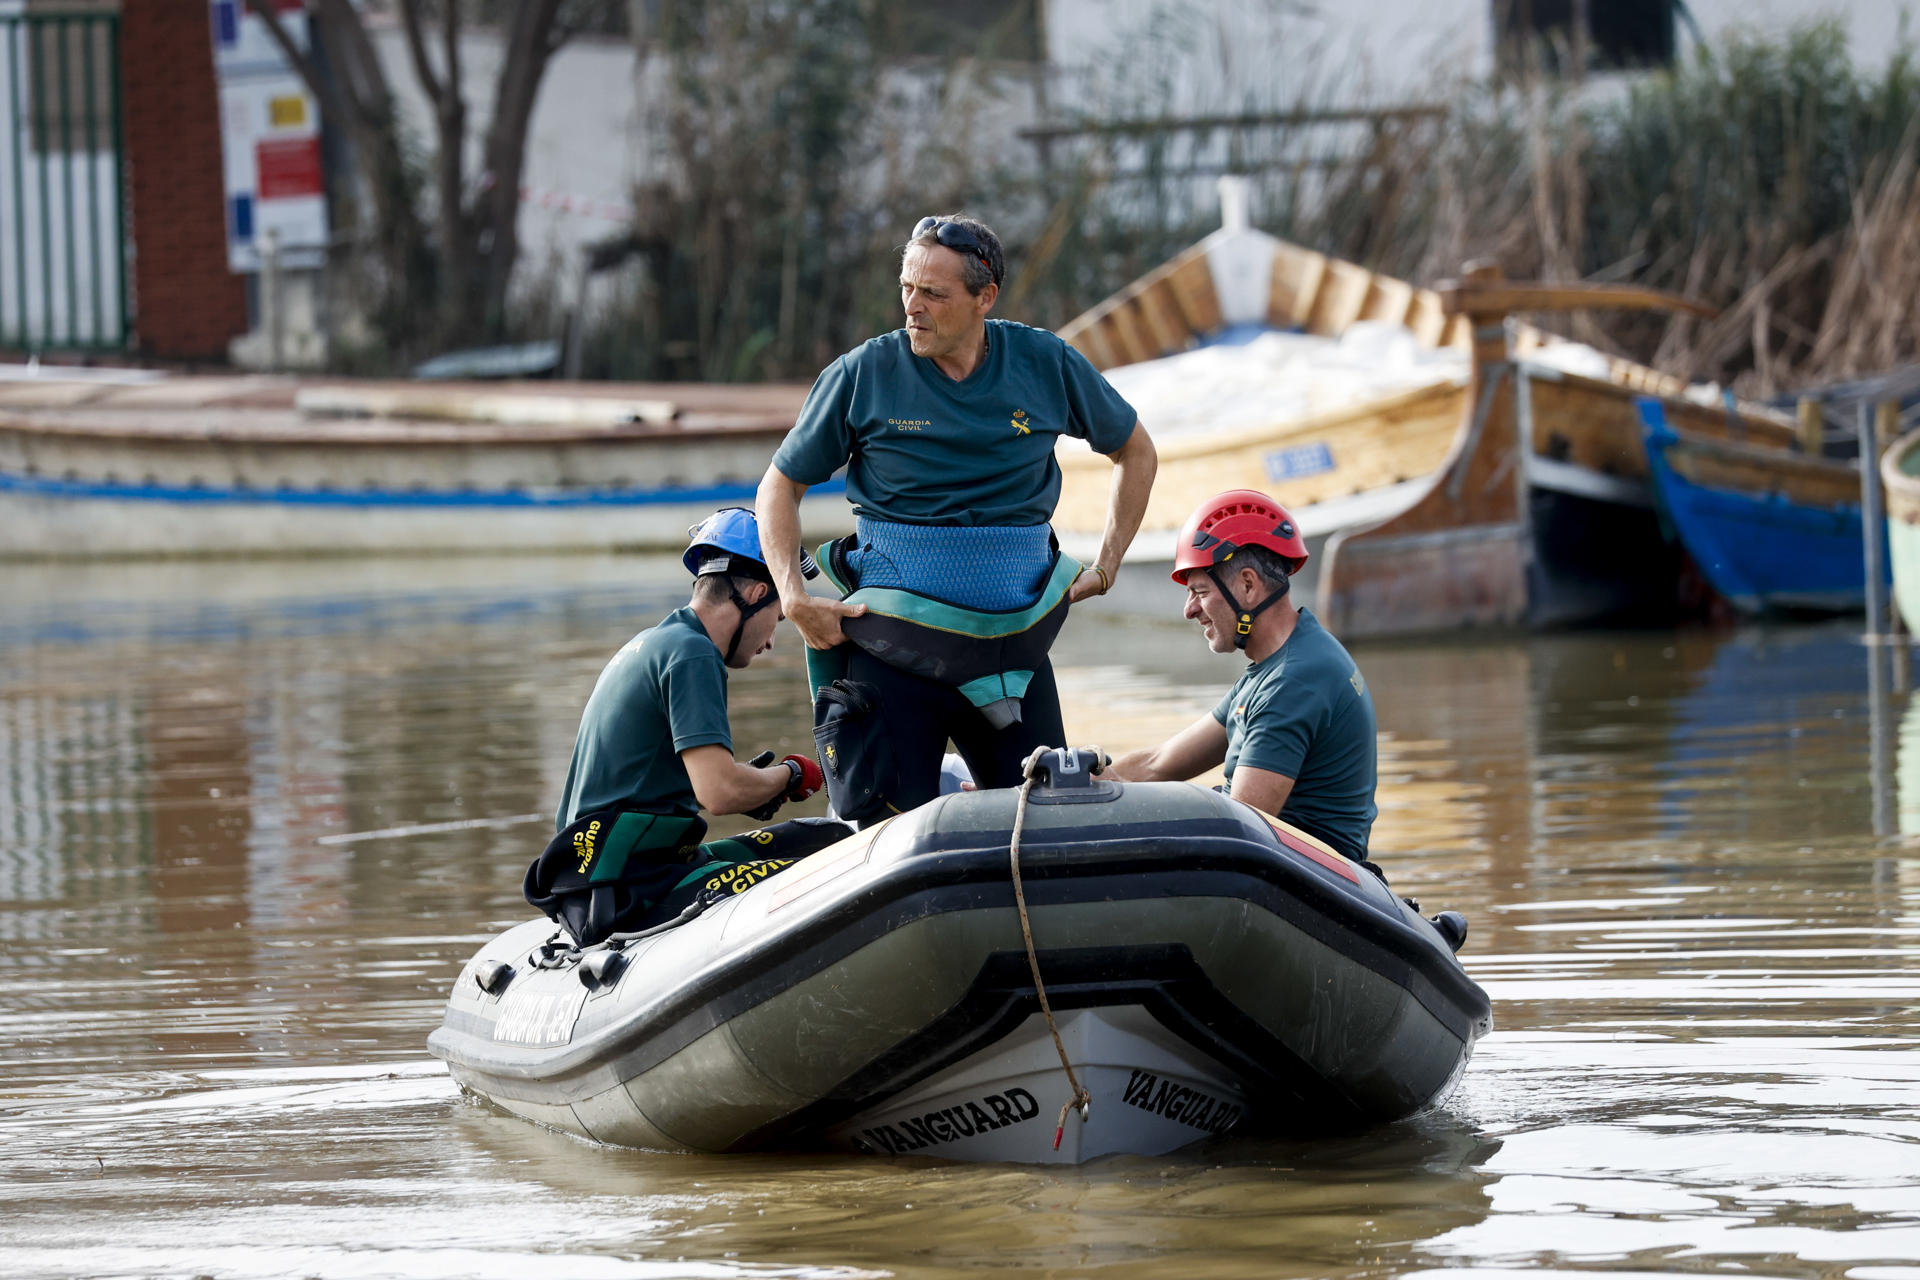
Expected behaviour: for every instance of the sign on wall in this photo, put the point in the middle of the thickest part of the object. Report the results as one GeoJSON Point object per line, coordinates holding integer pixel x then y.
{"type": "Point", "coordinates": [270, 139]}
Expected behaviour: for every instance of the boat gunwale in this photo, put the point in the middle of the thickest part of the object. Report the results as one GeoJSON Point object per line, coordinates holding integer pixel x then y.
{"type": "Point", "coordinates": [371, 432]}
{"type": "Point", "coordinates": [1685, 442]}
{"type": "Point", "coordinates": [1902, 487]}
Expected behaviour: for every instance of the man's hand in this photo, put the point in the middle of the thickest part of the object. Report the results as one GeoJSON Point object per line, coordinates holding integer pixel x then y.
{"type": "Point", "coordinates": [1089, 583]}
{"type": "Point", "coordinates": [817, 619]}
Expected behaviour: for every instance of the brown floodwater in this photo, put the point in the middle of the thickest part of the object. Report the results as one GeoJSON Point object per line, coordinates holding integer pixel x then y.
{"type": "Point", "coordinates": [253, 818]}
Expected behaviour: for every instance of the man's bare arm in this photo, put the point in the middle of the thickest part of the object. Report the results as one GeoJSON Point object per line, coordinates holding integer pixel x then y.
{"type": "Point", "coordinates": [723, 785]}
{"type": "Point", "coordinates": [1194, 750]}
{"type": "Point", "coordinates": [1134, 466]}
{"type": "Point", "coordinates": [1264, 789]}
{"type": "Point", "coordinates": [777, 508]}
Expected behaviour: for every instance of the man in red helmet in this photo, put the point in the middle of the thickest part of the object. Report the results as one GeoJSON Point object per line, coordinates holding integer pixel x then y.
{"type": "Point", "coordinates": [1296, 731]}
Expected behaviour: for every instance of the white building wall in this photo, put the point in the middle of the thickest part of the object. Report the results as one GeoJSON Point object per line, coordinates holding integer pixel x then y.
{"type": "Point", "coordinates": [1248, 54]}
{"type": "Point", "coordinates": [1107, 58]}
{"type": "Point", "coordinates": [581, 158]}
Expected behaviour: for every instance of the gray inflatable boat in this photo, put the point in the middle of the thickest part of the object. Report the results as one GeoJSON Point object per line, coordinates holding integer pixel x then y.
{"type": "Point", "coordinates": [1206, 969]}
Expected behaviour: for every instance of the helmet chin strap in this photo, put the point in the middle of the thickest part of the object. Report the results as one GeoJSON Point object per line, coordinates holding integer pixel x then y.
{"type": "Point", "coordinates": [1243, 624]}
{"type": "Point", "coordinates": [746, 611]}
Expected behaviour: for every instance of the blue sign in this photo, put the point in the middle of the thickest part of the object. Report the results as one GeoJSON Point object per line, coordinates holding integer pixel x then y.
{"type": "Point", "coordinates": [1299, 462]}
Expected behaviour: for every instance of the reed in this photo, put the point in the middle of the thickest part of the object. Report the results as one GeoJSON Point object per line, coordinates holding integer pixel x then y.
{"type": "Point", "coordinates": [1769, 177]}
{"type": "Point", "coordinates": [1775, 181]}
{"type": "Point", "coordinates": [792, 156]}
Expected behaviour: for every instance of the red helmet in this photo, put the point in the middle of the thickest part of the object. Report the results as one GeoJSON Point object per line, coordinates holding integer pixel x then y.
{"type": "Point", "coordinates": [1228, 521]}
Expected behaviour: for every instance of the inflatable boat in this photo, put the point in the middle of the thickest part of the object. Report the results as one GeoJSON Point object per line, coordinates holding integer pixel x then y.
{"type": "Point", "coordinates": [1194, 967]}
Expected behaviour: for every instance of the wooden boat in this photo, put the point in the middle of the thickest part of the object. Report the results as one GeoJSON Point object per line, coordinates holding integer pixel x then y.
{"type": "Point", "coordinates": [1344, 467]}
{"type": "Point", "coordinates": [1519, 493]}
{"type": "Point", "coordinates": [262, 466]}
{"type": "Point", "coordinates": [1770, 530]}
{"type": "Point", "coordinates": [1900, 473]}
{"type": "Point", "coordinates": [1209, 970]}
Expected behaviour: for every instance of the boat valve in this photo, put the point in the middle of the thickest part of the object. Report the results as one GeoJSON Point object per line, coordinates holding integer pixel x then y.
{"type": "Point", "coordinates": [1453, 928]}
{"type": "Point", "coordinates": [602, 968]}
{"type": "Point", "coordinates": [492, 976]}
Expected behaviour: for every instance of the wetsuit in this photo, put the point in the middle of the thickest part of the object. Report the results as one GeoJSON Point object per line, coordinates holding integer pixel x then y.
{"type": "Point", "coordinates": [954, 483]}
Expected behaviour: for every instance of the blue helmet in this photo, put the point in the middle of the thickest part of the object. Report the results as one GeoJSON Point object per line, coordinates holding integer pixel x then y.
{"type": "Point", "coordinates": [728, 541]}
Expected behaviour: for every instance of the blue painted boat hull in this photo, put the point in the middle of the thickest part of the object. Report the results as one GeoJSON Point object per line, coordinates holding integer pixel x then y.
{"type": "Point", "coordinates": [1762, 551]}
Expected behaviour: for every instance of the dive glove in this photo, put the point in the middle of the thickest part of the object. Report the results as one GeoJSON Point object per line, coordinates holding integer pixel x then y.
{"type": "Point", "coordinates": [806, 779]}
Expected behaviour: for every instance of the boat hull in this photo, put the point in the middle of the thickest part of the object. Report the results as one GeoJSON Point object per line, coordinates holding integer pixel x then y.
{"type": "Point", "coordinates": [1900, 476]}
{"type": "Point", "coordinates": [1770, 531]}
{"type": "Point", "coordinates": [1206, 974]}
{"type": "Point", "coordinates": [42, 519]}
{"type": "Point", "coordinates": [206, 467]}
{"type": "Point", "coordinates": [1518, 495]}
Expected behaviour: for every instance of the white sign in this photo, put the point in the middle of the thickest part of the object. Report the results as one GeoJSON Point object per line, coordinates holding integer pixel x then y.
{"type": "Point", "coordinates": [270, 139]}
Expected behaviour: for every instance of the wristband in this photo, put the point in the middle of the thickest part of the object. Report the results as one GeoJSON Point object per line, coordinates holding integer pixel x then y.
{"type": "Point", "coordinates": [1105, 581]}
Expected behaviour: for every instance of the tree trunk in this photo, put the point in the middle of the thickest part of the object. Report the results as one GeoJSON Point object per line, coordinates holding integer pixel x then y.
{"type": "Point", "coordinates": [358, 101]}
{"type": "Point", "coordinates": [461, 274]}
{"type": "Point", "coordinates": [532, 36]}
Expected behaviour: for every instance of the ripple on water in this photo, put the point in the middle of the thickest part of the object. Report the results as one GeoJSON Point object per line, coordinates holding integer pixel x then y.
{"type": "Point", "coordinates": [1705, 967]}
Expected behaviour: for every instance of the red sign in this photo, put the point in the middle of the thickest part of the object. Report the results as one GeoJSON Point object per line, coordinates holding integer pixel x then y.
{"type": "Point", "coordinates": [288, 167]}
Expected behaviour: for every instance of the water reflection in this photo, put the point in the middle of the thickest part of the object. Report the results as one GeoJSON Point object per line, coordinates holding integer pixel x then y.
{"type": "Point", "coordinates": [217, 975]}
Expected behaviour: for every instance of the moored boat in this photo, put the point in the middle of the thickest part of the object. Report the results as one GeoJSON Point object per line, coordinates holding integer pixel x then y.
{"type": "Point", "coordinates": [264, 466]}
{"type": "Point", "coordinates": [1207, 969]}
{"type": "Point", "coordinates": [1770, 530]}
{"type": "Point", "coordinates": [1495, 475]}
{"type": "Point", "coordinates": [1900, 473]}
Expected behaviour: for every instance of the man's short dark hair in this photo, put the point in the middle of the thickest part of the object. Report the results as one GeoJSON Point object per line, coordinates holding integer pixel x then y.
{"type": "Point", "coordinates": [975, 274]}
{"type": "Point", "coordinates": [713, 587]}
{"type": "Point", "coordinates": [1274, 569]}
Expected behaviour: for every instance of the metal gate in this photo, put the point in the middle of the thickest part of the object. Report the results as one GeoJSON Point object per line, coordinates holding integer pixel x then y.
{"type": "Point", "coordinates": [63, 263]}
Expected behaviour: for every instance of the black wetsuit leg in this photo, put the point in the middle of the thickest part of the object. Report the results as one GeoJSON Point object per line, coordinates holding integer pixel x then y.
{"type": "Point", "coordinates": [921, 715]}
{"type": "Point", "coordinates": [995, 755]}
{"type": "Point", "coordinates": [915, 712]}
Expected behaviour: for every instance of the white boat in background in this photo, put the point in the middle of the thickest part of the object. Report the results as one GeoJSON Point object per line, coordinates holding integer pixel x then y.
{"type": "Point", "coordinates": [193, 466]}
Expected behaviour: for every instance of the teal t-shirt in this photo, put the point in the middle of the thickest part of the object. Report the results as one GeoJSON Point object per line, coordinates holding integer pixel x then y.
{"type": "Point", "coordinates": [920, 448]}
{"type": "Point", "coordinates": [1304, 712]}
{"type": "Point", "coordinates": [663, 693]}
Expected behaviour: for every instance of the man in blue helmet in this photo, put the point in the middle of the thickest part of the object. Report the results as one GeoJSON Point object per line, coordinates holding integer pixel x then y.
{"type": "Point", "coordinates": [953, 587]}
{"type": "Point", "coordinates": [654, 749]}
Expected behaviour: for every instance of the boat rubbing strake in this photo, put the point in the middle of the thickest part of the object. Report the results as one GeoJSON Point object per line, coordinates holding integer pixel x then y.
{"type": "Point", "coordinates": [1208, 971]}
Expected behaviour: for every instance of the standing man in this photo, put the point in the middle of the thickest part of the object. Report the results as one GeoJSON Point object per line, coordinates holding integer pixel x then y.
{"type": "Point", "coordinates": [1296, 731]}
{"type": "Point", "coordinates": [952, 585]}
{"type": "Point", "coordinates": [655, 748]}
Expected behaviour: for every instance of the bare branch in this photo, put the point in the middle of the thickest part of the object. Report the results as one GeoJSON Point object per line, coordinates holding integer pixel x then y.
{"type": "Point", "coordinates": [366, 76]}
{"type": "Point", "coordinates": [529, 46]}
{"type": "Point", "coordinates": [417, 50]}
{"type": "Point", "coordinates": [450, 38]}
{"type": "Point", "coordinates": [297, 58]}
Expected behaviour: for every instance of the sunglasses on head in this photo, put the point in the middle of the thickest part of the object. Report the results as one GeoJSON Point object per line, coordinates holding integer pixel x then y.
{"type": "Point", "coordinates": [958, 238]}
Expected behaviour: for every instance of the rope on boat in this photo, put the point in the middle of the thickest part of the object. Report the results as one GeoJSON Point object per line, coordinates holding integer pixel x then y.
{"type": "Point", "coordinates": [1081, 1099]}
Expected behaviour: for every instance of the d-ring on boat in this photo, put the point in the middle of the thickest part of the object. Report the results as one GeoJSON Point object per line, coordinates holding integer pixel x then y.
{"type": "Point", "coordinates": [1207, 969]}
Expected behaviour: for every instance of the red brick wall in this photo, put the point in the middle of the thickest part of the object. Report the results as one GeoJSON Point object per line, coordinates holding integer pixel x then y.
{"type": "Point", "coordinates": [186, 303]}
